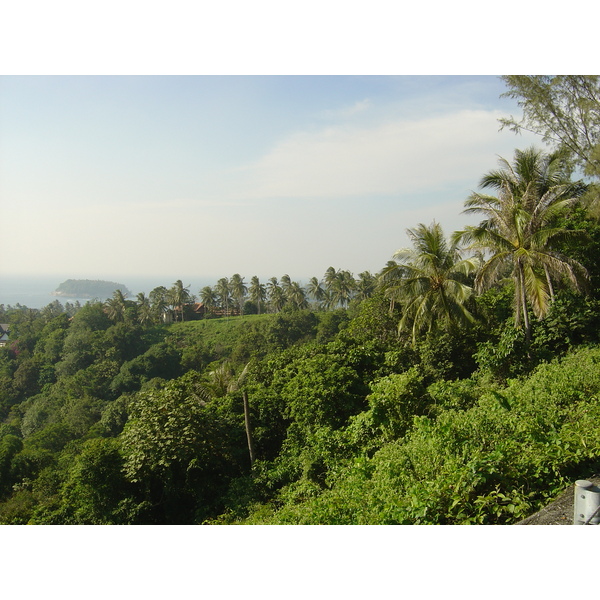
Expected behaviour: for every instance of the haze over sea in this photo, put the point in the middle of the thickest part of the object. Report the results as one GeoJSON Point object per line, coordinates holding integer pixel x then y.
{"type": "Point", "coordinates": [35, 291]}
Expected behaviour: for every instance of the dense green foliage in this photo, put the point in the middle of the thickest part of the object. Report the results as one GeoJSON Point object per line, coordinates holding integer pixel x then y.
{"type": "Point", "coordinates": [108, 422]}
{"type": "Point", "coordinates": [447, 389]}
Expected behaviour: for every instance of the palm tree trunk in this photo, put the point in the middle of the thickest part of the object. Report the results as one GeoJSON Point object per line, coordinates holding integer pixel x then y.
{"type": "Point", "coordinates": [526, 321]}
{"type": "Point", "coordinates": [550, 288]}
{"type": "Point", "coordinates": [247, 423]}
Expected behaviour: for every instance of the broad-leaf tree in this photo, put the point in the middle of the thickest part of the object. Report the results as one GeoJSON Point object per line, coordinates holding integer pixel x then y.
{"type": "Point", "coordinates": [564, 109]}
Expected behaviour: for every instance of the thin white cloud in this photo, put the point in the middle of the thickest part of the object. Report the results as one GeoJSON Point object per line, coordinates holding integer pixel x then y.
{"type": "Point", "coordinates": [391, 158]}
{"type": "Point", "coordinates": [347, 112]}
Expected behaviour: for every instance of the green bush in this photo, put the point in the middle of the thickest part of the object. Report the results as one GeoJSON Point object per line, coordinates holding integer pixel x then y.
{"type": "Point", "coordinates": [495, 462]}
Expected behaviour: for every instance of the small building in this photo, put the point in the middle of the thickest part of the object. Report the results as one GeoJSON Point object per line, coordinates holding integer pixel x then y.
{"type": "Point", "coordinates": [4, 331]}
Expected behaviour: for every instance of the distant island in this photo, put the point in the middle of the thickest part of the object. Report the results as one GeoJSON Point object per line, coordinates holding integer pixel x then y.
{"type": "Point", "coordinates": [86, 288]}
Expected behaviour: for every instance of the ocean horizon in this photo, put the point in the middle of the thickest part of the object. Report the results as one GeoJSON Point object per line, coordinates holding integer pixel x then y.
{"type": "Point", "coordinates": [36, 291]}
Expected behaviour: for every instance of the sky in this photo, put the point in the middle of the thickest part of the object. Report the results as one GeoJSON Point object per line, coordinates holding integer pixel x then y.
{"type": "Point", "coordinates": [206, 176]}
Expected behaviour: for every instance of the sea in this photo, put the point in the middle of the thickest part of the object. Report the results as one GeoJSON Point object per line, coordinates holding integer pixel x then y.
{"type": "Point", "coordinates": [35, 291]}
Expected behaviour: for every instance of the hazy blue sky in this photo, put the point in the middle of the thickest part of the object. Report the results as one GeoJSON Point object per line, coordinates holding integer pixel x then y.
{"type": "Point", "coordinates": [115, 176]}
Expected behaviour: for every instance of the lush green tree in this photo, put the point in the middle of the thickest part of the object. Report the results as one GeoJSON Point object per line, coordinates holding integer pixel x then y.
{"type": "Point", "coordinates": [178, 450]}
{"type": "Point", "coordinates": [160, 360]}
{"type": "Point", "coordinates": [10, 446]}
{"type": "Point", "coordinates": [520, 230]}
{"type": "Point", "coordinates": [159, 299]}
{"type": "Point", "coordinates": [289, 328]}
{"type": "Point", "coordinates": [435, 291]}
{"type": "Point", "coordinates": [96, 491]}
{"type": "Point", "coordinates": [52, 338]}
{"type": "Point", "coordinates": [92, 317]}
{"type": "Point", "coordinates": [393, 403]}
{"type": "Point", "coordinates": [564, 109]}
{"type": "Point", "coordinates": [52, 310]}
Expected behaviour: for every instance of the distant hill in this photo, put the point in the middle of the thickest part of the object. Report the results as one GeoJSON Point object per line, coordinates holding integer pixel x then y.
{"type": "Point", "coordinates": [87, 288]}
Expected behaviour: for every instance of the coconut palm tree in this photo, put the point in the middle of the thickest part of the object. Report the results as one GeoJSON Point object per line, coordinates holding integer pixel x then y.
{"type": "Point", "coordinates": [116, 306]}
{"type": "Point", "coordinates": [341, 286]}
{"type": "Point", "coordinates": [389, 277]}
{"type": "Point", "coordinates": [223, 380]}
{"type": "Point", "coordinates": [223, 292]}
{"type": "Point", "coordinates": [144, 309]}
{"type": "Point", "coordinates": [257, 292]}
{"type": "Point", "coordinates": [180, 296]}
{"type": "Point", "coordinates": [277, 298]}
{"type": "Point", "coordinates": [238, 290]}
{"type": "Point", "coordinates": [208, 297]}
{"type": "Point", "coordinates": [519, 232]}
{"type": "Point", "coordinates": [297, 296]}
{"type": "Point", "coordinates": [316, 290]}
{"type": "Point", "coordinates": [286, 284]}
{"type": "Point", "coordinates": [434, 291]}
{"type": "Point", "coordinates": [330, 276]}
{"type": "Point", "coordinates": [365, 285]}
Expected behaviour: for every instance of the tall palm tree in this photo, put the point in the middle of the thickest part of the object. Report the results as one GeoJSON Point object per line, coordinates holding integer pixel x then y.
{"type": "Point", "coordinates": [519, 232]}
{"type": "Point", "coordinates": [238, 290]}
{"type": "Point", "coordinates": [257, 292]}
{"type": "Point", "coordinates": [116, 306]}
{"type": "Point", "coordinates": [144, 309]}
{"type": "Point", "coordinates": [365, 285]}
{"type": "Point", "coordinates": [159, 300]}
{"type": "Point", "coordinates": [180, 296]}
{"type": "Point", "coordinates": [286, 284]}
{"type": "Point", "coordinates": [277, 297]}
{"type": "Point", "coordinates": [341, 286]}
{"type": "Point", "coordinates": [316, 290]}
{"type": "Point", "coordinates": [389, 277]}
{"type": "Point", "coordinates": [297, 296]}
{"type": "Point", "coordinates": [330, 275]}
{"type": "Point", "coordinates": [208, 297]}
{"type": "Point", "coordinates": [434, 290]}
{"type": "Point", "coordinates": [223, 380]}
{"type": "Point", "coordinates": [223, 292]}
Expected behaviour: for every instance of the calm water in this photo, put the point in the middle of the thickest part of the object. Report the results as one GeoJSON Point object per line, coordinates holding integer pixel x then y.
{"type": "Point", "coordinates": [36, 292]}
